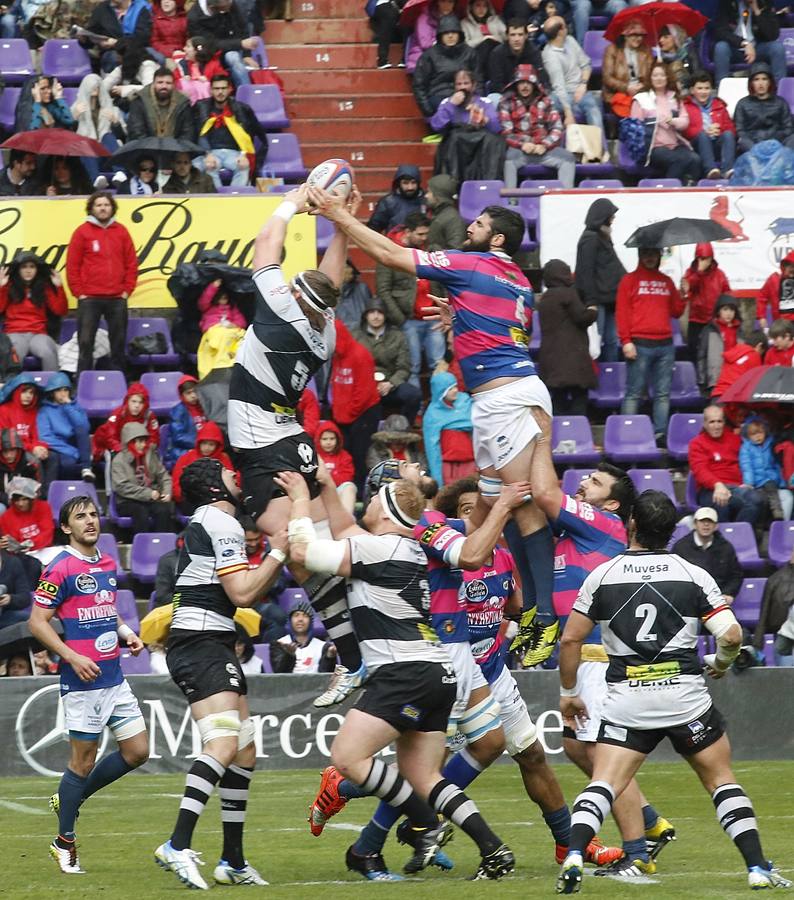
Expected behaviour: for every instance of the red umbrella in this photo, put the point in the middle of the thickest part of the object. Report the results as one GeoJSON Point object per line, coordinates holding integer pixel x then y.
{"type": "Point", "coordinates": [55, 142]}
{"type": "Point", "coordinates": [413, 8]}
{"type": "Point", "coordinates": [654, 16]}
{"type": "Point", "coordinates": [767, 389]}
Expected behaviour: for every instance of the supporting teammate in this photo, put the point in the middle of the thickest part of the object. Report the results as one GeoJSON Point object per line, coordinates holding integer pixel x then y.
{"type": "Point", "coordinates": [492, 301]}
{"type": "Point", "coordinates": [650, 603]}
{"type": "Point", "coordinates": [213, 580]}
{"type": "Point", "coordinates": [411, 686]}
{"type": "Point", "coordinates": [591, 529]}
{"type": "Point", "coordinates": [79, 586]}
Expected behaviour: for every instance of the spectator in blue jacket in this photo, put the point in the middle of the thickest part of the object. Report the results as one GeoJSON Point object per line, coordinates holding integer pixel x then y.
{"type": "Point", "coordinates": [406, 197]}
{"type": "Point", "coordinates": [760, 468]}
{"type": "Point", "coordinates": [446, 427]}
{"type": "Point", "coordinates": [16, 597]}
{"type": "Point", "coordinates": [63, 425]}
{"type": "Point", "coordinates": [186, 418]}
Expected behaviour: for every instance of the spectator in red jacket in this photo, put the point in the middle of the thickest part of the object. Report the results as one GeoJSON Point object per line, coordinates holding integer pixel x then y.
{"type": "Point", "coordinates": [711, 130]}
{"type": "Point", "coordinates": [738, 360]}
{"type": "Point", "coordinates": [209, 442]}
{"type": "Point", "coordinates": [646, 302]}
{"type": "Point", "coordinates": [330, 449]}
{"type": "Point", "coordinates": [102, 270]}
{"type": "Point", "coordinates": [781, 334]}
{"type": "Point", "coordinates": [19, 406]}
{"type": "Point", "coordinates": [135, 408]}
{"type": "Point", "coordinates": [14, 460]}
{"type": "Point", "coordinates": [28, 520]}
{"type": "Point", "coordinates": [703, 284]}
{"type": "Point", "coordinates": [169, 29]}
{"type": "Point", "coordinates": [777, 294]}
{"type": "Point", "coordinates": [30, 292]}
{"type": "Point", "coordinates": [356, 401]}
{"type": "Point", "coordinates": [714, 463]}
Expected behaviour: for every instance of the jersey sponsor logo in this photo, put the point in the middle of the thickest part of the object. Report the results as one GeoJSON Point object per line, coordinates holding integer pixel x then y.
{"type": "Point", "coordinates": [433, 258]}
{"type": "Point", "coordinates": [630, 568]}
{"type": "Point", "coordinates": [615, 733]}
{"type": "Point", "coordinates": [443, 539]}
{"type": "Point", "coordinates": [85, 583]}
{"type": "Point", "coordinates": [519, 336]}
{"type": "Point", "coordinates": [94, 613]}
{"type": "Point", "coordinates": [228, 552]}
{"type": "Point", "coordinates": [278, 289]}
{"type": "Point", "coordinates": [570, 505]}
{"type": "Point", "coordinates": [413, 713]}
{"type": "Point", "coordinates": [559, 563]}
{"type": "Point", "coordinates": [476, 591]}
{"type": "Point", "coordinates": [653, 671]}
{"type": "Point", "coordinates": [112, 581]}
{"type": "Point", "coordinates": [103, 596]}
{"type": "Point", "coordinates": [482, 647]}
{"type": "Point", "coordinates": [427, 534]}
{"type": "Point", "coordinates": [106, 642]}
{"type": "Point", "coordinates": [696, 727]}
{"type": "Point", "coordinates": [47, 587]}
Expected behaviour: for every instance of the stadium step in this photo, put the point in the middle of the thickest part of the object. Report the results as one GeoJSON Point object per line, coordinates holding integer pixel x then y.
{"type": "Point", "coordinates": [325, 9]}
{"type": "Point", "coordinates": [318, 31]}
{"type": "Point", "coordinates": [343, 84]}
{"type": "Point", "coordinates": [328, 57]}
{"type": "Point", "coordinates": [361, 154]}
{"type": "Point", "coordinates": [377, 180]}
{"type": "Point", "coordinates": [309, 130]}
{"type": "Point", "coordinates": [384, 106]}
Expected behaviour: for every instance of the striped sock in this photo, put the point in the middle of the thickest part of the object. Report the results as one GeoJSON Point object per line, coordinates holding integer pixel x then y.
{"type": "Point", "coordinates": [233, 794]}
{"type": "Point", "coordinates": [454, 805]}
{"type": "Point", "coordinates": [736, 815]}
{"type": "Point", "coordinates": [204, 774]}
{"type": "Point", "coordinates": [592, 806]}
{"type": "Point", "coordinates": [386, 782]}
{"type": "Point", "coordinates": [328, 597]}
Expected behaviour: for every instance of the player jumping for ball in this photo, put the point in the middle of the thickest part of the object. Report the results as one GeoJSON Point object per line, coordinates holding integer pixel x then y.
{"type": "Point", "coordinates": [490, 304]}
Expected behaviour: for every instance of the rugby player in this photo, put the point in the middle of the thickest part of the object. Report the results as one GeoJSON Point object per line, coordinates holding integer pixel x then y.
{"type": "Point", "coordinates": [213, 580]}
{"type": "Point", "coordinates": [649, 604]}
{"type": "Point", "coordinates": [492, 304]}
{"type": "Point", "coordinates": [591, 529]}
{"type": "Point", "coordinates": [79, 587]}
{"type": "Point", "coordinates": [412, 687]}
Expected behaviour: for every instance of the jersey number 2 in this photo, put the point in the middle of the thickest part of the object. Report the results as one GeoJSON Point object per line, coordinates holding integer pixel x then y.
{"type": "Point", "coordinates": [646, 612]}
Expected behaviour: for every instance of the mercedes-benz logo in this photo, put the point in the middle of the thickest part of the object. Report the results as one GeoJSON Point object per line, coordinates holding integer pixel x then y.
{"type": "Point", "coordinates": [28, 746]}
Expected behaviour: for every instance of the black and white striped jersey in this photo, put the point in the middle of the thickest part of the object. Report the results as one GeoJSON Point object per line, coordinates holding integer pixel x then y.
{"type": "Point", "coordinates": [214, 545]}
{"type": "Point", "coordinates": [278, 355]}
{"type": "Point", "coordinates": [388, 595]}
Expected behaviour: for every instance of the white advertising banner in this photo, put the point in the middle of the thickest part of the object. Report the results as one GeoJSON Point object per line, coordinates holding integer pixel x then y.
{"type": "Point", "coordinates": [760, 220]}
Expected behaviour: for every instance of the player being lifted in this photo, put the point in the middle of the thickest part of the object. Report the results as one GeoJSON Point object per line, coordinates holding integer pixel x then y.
{"type": "Point", "coordinates": [491, 303]}
{"type": "Point", "coordinates": [79, 587]}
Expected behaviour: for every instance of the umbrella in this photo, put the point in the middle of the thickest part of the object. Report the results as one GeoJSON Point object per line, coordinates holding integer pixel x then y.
{"type": "Point", "coordinates": [158, 147]}
{"type": "Point", "coordinates": [654, 16]}
{"type": "Point", "coordinates": [763, 384]}
{"type": "Point", "coordinates": [55, 142]}
{"type": "Point", "coordinates": [413, 8]}
{"type": "Point", "coordinates": [672, 232]}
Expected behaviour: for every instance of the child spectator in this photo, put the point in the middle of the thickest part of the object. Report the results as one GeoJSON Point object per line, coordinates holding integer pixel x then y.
{"type": "Point", "coordinates": [64, 425]}
{"type": "Point", "coordinates": [777, 294]}
{"type": "Point", "coordinates": [209, 442]}
{"type": "Point", "coordinates": [703, 284]}
{"type": "Point", "coordinates": [14, 461]}
{"type": "Point", "coordinates": [721, 334]}
{"type": "Point", "coordinates": [216, 308]}
{"type": "Point", "coordinates": [446, 426]}
{"type": "Point", "coordinates": [135, 408]}
{"type": "Point", "coordinates": [711, 130]}
{"type": "Point", "coordinates": [186, 418]}
{"type": "Point", "coordinates": [742, 358]}
{"type": "Point", "coordinates": [30, 294]}
{"type": "Point", "coordinates": [250, 663]}
{"type": "Point", "coordinates": [760, 468]}
{"type": "Point", "coordinates": [19, 403]}
{"type": "Point", "coordinates": [140, 482]}
{"type": "Point", "coordinates": [300, 652]}
{"type": "Point", "coordinates": [193, 73]}
{"type": "Point", "coordinates": [328, 440]}
{"type": "Point", "coordinates": [781, 334]}
{"type": "Point", "coordinates": [28, 520]}
{"type": "Point", "coordinates": [169, 29]}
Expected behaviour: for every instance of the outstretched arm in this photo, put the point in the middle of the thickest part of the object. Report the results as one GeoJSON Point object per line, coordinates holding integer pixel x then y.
{"type": "Point", "coordinates": [479, 545]}
{"type": "Point", "coordinates": [333, 262]}
{"type": "Point", "coordinates": [269, 243]}
{"type": "Point", "coordinates": [379, 247]}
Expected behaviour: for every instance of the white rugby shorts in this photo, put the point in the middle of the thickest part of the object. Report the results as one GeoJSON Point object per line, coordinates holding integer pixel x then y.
{"type": "Point", "coordinates": [503, 422]}
{"type": "Point", "coordinates": [591, 684]}
{"type": "Point", "coordinates": [88, 712]}
{"type": "Point", "coordinates": [520, 731]}
{"type": "Point", "coordinates": [468, 673]}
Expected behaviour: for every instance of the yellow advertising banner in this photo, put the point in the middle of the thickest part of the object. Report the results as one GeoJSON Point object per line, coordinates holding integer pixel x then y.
{"type": "Point", "coordinates": [167, 231]}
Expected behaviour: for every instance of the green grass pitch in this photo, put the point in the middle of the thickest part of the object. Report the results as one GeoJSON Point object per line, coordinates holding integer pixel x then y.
{"type": "Point", "coordinates": [120, 827]}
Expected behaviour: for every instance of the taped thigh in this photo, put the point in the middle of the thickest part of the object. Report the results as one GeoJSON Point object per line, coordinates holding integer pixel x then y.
{"type": "Point", "coordinates": [246, 735]}
{"type": "Point", "coordinates": [219, 725]}
{"type": "Point", "coordinates": [480, 719]}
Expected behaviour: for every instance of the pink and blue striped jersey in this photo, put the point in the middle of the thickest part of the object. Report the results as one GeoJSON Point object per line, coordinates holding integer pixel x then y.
{"type": "Point", "coordinates": [438, 535]}
{"type": "Point", "coordinates": [83, 591]}
{"type": "Point", "coordinates": [485, 593]}
{"type": "Point", "coordinates": [587, 537]}
{"type": "Point", "coordinates": [492, 302]}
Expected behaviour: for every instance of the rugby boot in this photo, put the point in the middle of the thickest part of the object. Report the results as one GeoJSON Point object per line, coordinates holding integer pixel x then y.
{"type": "Point", "coordinates": [658, 837]}
{"type": "Point", "coordinates": [372, 866]}
{"type": "Point", "coordinates": [426, 845]}
{"type": "Point", "coordinates": [67, 858]}
{"type": "Point", "coordinates": [226, 874]}
{"type": "Point", "coordinates": [763, 879]}
{"type": "Point", "coordinates": [495, 865]}
{"type": "Point", "coordinates": [595, 853]}
{"type": "Point", "coordinates": [542, 643]}
{"type": "Point", "coordinates": [406, 834]}
{"type": "Point", "coordinates": [525, 630]}
{"type": "Point", "coordinates": [343, 683]}
{"type": "Point", "coordinates": [328, 801]}
{"type": "Point", "coordinates": [183, 863]}
{"type": "Point", "coordinates": [570, 878]}
{"type": "Point", "coordinates": [628, 869]}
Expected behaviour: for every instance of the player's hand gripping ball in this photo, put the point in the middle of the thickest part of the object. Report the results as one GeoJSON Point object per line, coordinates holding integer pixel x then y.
{"type": "Point", "coordinates": [334, 176]}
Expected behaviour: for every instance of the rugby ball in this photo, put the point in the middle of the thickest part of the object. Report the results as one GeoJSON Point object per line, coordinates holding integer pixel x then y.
{"type": "Point", "coordinates": [334, 176]}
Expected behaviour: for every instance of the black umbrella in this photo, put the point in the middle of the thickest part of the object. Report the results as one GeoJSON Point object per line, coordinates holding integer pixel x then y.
{"type": "Point", "coordinates": [161, 148]}
{"type": "Point", "coordinates": [672, 232]}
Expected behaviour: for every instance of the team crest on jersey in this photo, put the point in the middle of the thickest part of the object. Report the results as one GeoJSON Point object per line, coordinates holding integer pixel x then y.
{"type": "Point", "coordinates": [476, 591]}
{"type": "Point", "coordinates": [85, 583]}
{"type": "Point", "coordinates": [103, 597]}
{"type": "Point", "coordinates": [449, 626]}
{"type": "Point", "coordinates": [47, 587]}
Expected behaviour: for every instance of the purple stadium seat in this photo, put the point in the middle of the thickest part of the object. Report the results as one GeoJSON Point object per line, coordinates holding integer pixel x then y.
{"type": "Point", "coordinates": [127, 609]}
{"type": "Point", "coordinates": [654, 480]}
{"type": "Point", "coordinates": [165, 433]}
{"type": "Point", "coordinates": [135, 665]}
{"type": "Point", "coordinates": [15, 60]}
{"type": "Point", "coordinates": [626, 162]}
{"type": "Point", "coordinates": [742, 536]}
{"type": "Point", "coordinates": [284, 158]}
{"type": "Point", "coordinates": [611, 385]}
{"type": "Point", "coordinates": [678, 338]}
{"type": "Point", "coordinates": [68, 326]}
{"type": "Point", "coordinates": [61, 491]}
{"type": "Point", "coordinates": [41, 378]}
{"type": "Point", "coordinates": [785, 89]}
{"type": "Point", "coordinates": [787, 39]}
{"type": "Point", "coordinates": [769, 650]}
{"type": "Point", "coordinates": [163, 390]}
{"type": "Point", "coordinates": [679, 531]}
{"type": "Point", "coordinates": [263, 652]}
{"type": "Point", "coordinates": [681, 428]}
{"type": "Point", "coordinates": [266, 102]}
{"type": "Point", "coordinates": [147, 548]}
{"type": "Point", "coordinates": [325, 233]}
{"type": "Point", "coordinates": [630, 438]}
{"type": "Point", "coordinates": [476, 195]}
{"type": "Point", "coordinates": [594, 45]}
{"type": "Point", "coordinates": [99, 393]}
{"type": "Point", "coordinates": [691, 492]}
{"type": "Point", "coordinates": [150, 602]}
{"type": "Point", "coordinates": [717, 182]}
{"type": "Point", "coordinates": [781, 542]}
{"type": "Point", "coordinates": [8, 104]}
{"type": "Point", "coordinates": [143, 326]}
{"type": "Point", "coordinates": [287, 599]}
{"type": "Point", "coordinates": [659, 183]}
{"type": "Point", "coordinates": [746, 605]}
{"type": "Point", "coordinates": [70, 95]}
{"type": "Point", "coordinates": [239, 188]}
{"type": "Point", "coordinates": [259, 53]}
{"type": "Point", "coordinates": [572, 478]}
{"type": "Point", "coordinates": [529, 207]}
{"type": "Point", "coordinates": [602, 184]}
{"type": "Point", "coordinates": [576, 429]}
{"type": "Point", "coordinates": [684, 390]}
{"type": "Point", "coordinates": [66, 60]}
{"type": "Point", "coordinates": [109, 546]}
{"type": "Point", "coordinates": [113, 513]}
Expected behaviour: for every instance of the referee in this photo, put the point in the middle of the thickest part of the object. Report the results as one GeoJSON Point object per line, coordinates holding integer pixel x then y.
{"type": "Point", "coordinates": [650, 604]}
